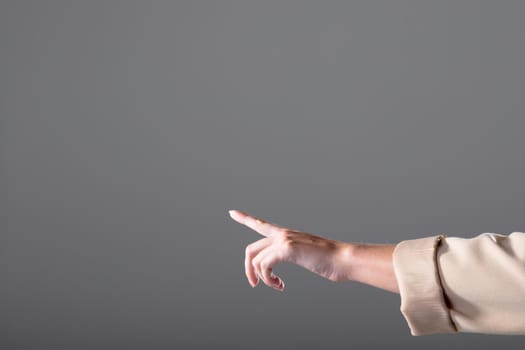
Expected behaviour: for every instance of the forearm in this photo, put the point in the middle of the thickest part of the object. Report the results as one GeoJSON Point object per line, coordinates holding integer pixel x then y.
{"type": "Point", "coordinates": [370, 264]}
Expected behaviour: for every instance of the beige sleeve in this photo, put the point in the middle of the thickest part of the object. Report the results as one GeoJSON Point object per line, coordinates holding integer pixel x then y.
{"type": "Point", "coordinates": [451, 284]}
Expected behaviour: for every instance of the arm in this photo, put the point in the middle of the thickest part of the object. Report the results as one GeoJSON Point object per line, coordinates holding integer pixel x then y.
{"type": "Point", "coordinates": [446, 284]}
{"type": "Point", "coordinates": [334, 260]}
{"type": "Point", "coordinates": [371, 264]}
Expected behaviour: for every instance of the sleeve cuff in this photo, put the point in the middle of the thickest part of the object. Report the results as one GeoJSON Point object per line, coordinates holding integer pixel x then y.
{"type": "Point", "coordinates": [423, 303]}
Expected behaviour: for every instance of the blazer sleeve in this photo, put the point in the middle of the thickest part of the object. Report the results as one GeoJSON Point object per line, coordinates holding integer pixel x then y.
{"type": "Point", "coordinates": [452, 284]}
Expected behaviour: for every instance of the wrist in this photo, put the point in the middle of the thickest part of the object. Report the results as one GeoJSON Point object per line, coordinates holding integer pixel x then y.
{"type": "Point", "coordinates": [371, 264]}
{"type": "Point", "coordinates": [346, 260]}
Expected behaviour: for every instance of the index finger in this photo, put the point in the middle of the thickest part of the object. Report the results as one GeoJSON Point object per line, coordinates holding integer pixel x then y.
{"type": "Point", "coordinates": [263, 227]}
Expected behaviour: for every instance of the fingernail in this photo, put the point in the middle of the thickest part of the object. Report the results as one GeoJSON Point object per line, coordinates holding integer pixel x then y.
{"type": "Point", "coordinates": [281, 286]}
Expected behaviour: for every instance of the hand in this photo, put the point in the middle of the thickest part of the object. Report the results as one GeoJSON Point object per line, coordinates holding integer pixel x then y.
{"type": "Point", "coordinates": [317, 254]}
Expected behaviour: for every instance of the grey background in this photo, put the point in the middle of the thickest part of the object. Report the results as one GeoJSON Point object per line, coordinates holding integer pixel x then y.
{"type": "Point", "coordinates": [129, 129]}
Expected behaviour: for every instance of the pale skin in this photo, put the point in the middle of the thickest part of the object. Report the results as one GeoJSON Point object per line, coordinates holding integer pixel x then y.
{"type": "Point", "coordinates": [334, 260]}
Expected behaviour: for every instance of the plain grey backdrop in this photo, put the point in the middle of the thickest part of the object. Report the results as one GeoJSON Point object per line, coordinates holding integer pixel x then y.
{"type": "Point", "coordinates": [130, 128]}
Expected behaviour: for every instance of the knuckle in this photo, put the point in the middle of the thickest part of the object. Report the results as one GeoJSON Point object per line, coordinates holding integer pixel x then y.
{"type": "Point", "coordinates": [282, 235]}
{"type": "Point", "coordinates": [278, 231]}
{"type": "Point", "coordinates": [288, 244]}
{"type": "Point", "coordinates": [264, 267]}
{"type": "Point", "coordinates": [285, 231]}
{"type": "Point", "coordinates": [286, 241]}
{"type": "Point", "coordinates": [335, 278]}
{"type": "Point", "coordinates": [257, 264]}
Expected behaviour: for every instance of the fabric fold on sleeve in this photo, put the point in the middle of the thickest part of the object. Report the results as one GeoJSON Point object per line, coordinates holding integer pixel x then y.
{"type": "Point", "coordinates": [423, 302]}
{"type": "Point", "coordinates": [483, 278]}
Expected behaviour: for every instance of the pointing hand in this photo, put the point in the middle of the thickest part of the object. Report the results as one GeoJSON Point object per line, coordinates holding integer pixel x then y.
{"type": "Point", "coordinates": [317, 254]}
